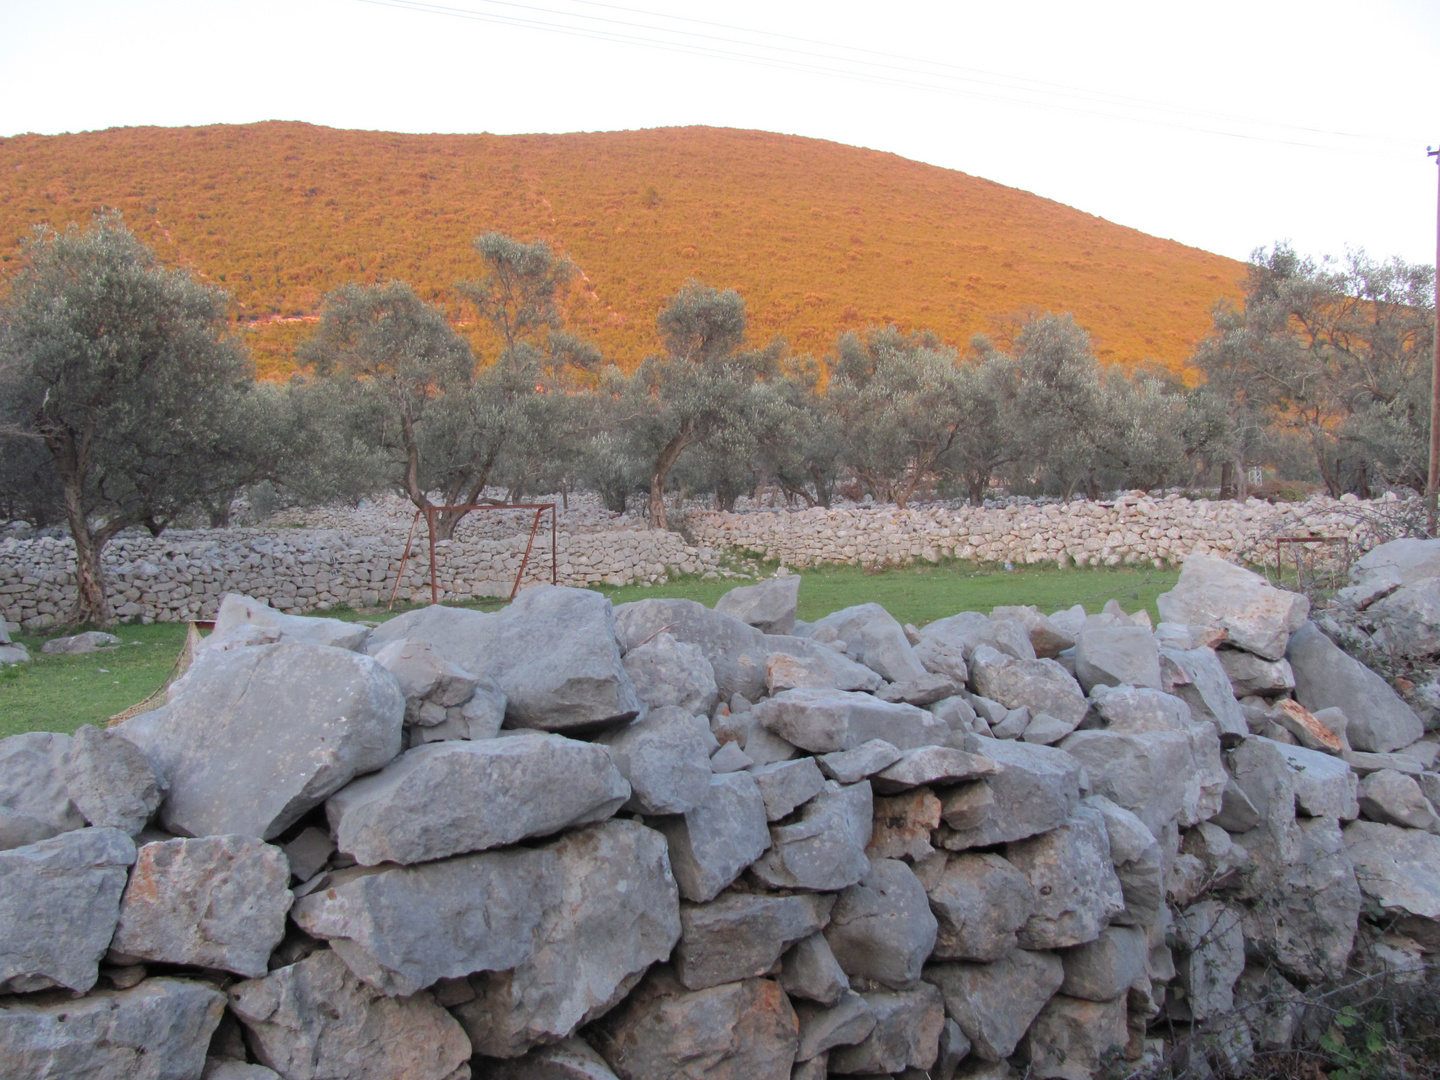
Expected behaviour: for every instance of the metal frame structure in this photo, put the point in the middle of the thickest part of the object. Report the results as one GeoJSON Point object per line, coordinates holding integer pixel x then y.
{"type": "Point", "coordinates": [1281, 541]}
{"type": "Point", "coordinates": [429, 513]}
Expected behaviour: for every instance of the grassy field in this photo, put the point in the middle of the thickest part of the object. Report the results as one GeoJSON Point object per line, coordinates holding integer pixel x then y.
{"type": "Point", "coordinates": [60, 693]}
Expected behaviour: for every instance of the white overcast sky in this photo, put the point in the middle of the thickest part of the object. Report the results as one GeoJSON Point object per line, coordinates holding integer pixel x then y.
{"type": "Point", "coordinates": [1225, 124]}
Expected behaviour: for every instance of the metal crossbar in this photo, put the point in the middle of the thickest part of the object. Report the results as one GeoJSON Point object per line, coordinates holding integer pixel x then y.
{"type": "Point", "coordinates": [429, 513]}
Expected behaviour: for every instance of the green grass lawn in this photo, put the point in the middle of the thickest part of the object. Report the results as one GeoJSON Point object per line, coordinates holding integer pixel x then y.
{"type": "Point", "coordinates": [59, 693]}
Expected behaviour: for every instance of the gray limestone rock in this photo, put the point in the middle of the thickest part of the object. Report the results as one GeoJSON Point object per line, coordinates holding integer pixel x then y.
{"type": "Point", "coordinates": [1326, 676]}
{"type": "Point", "coordinates": [943, 659]}
{"type": "Point", "coordinates": [158, 1030]}
{"type": "Point", "coordinates": [1074, 1039]}
{"type": "Point", "coordinates": [314, 1020]}
{"type": "Point", "coordinates": [711, 844]}
{"type": "Point", "coordinates": [825, 849]}
{"type": "Point", "coordinates": [402, 928]}
{"type": "Point", "coordinates": [853, 765]}
{"type": "Point", "coordinates": [875, 639]}
{"type": "Point", "coordinates": [1042, 686]}
{"type": "Point", "coordinates": [32, 779]}
{"type": "Point", "coordinates": [1132, 710]}
{"type": "Point", "coordinates": [425, 675]}
{"type": "Point", "coordinates": [1396, 799]}
{"type": "Point", "coordinates": [1136, 856]}
{"type": "Point", "coordinates": [253, 738]}
{"type": "Point", "coordinates": [1104, 969]}
{"type": "Point", "coordinates": [666, 672]}
{"type": "Point", "coordinates": [1073, 877]}
{"type": "Point", "coordinates": [810, 971]}
{"type": "Point", "coordinates": [569, 1059]}
{"type": "Point", "coordinates": [618, 913]}
{"type": "Point", "coordinates": [925, 690]}
{"type": "Point", "coordinates": [995, 1003]}
{"type": "Point", "coordinates": [906, 1035]}
{"type": "Point", "coordinates": [903, 825]}
{"type": "Point", "coordinates": [1035, 791]}
{"type": "Point", "coordinates": [940, 765]}
{"type": "Point", "coordinates": [447, 798]}
{"type": "Point", "coordinates": [1324, 786]}
{"type": "Point", "coordinates": [217, 1068]}
{"type": "Point", "coordinates": [239, 612]}
{"type": "Point", "coordinates": [13, 653]}
{"type": "Point", "coordinates": [1162, 776]}
{"type": "Point", "coordinates": [1399, 872]}
{"type": "Point", "coordinates": [784, 785]}
{"type": "Point", "coordinates": [969, 630]}
{"type": "Point", "coordinates": [553, 653]}
{"type": "Point", "coordinates": [88, 642]}
{"type": "Point", "coordinates": [1212, 957]}
{"type": "Point", "coordinates": [1251, 674]}
{"type": "Point", "coordinates": [216, 902]}
{"type": "Point", "coordinates": [17, 829]}
{"type": "Point", "coordinates": [1117, 656]}
{"type": "Point", "coordinates": [59, 899]}
{"type": "Point", "coordinates": [768, 606]}
{"type": "Point", "coordinates": [665, 755]}
{"type": "Point", "coordinates": [1410, 618]}
{"type": "Point", "coordinates": [309, 852]}
{"type": "Point", "coordinates": [1404, 561]}
{"type": "Point", "coordinates": [737, 1031]}
{"type": "Point", "coordinates": [1197, 677]}
{"type": "Point", "coordinates": [1253, 615]}
{"type": "Point", "coordinates": [741, 935]}
{"type": "Point", "coordinates": [1047, 637]}
{"type": "Point", "coordinates": [823, 1027]}
{"type": "Point", "coordinates": [729, 758]}
{"type": "Point", "coordinates": [980, 903]}
{"type": "Point", "coordinates": [881, 929]}
{"type": "Point", "coordinates": [822, 721]}
{"type": "Point", "coordinates": [110, 780]}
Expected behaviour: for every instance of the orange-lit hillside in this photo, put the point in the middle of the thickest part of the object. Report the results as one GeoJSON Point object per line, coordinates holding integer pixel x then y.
{"type": "Point", "coordinates": [818, 237]}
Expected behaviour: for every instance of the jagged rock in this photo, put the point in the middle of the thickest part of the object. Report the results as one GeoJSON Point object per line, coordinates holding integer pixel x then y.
{"type": "Point", "coordinates": [570, 1059]}
{"type": "Point", "coordinates": [665, 755]}
{"type": "Point", "coordinates": [810, 971]}
{"type": "Point", "coordinates": [1135, 854]}
{"type": "Point", "coordinates": [823, 1027]}
{"type": "Point", "coordinates": [959, 714]}
{"type": "Point", "coordinates": [1073, 1039]}
{"type": "Point", "coordinates": [59, 899]}
{"type": "Point", "coordinates": [32, 779]}
{"type": "Point", "coordinates": [943, 659]}
{"type": "Point", "coordinates": [738, 1031]}
{"type": "Point", "coordinates": [881, 929]}
{"type": "Point", "coordinates": [229, 1069]}
{"type": "Point", "coordinates": [768, 606]}
{"type": "Point", "coordinates": [822, 721]}
{"type": "Point", "coordinates": [1237, 813]}
{"type": "Point", "coordinates": [553, 654]}
{"type": "Point", "coordinates": [1273, 1008]}
{"type": "Point", "coordinates": [825, 849]}
{"type": "Point", "coordinates": [1211, 959]}
{"type": "Point", "coordinates": [618, 913]}
{"type": "Point", "coordinates": [1162, 776]}
{"type": "Point", "coordinates": [1308, 729]}
{"type": "Point", "coordinates": [13, 653]}
{"type": "Point", "coordinates": [1326, 676]}
{"type": "Point", "coordinates": [875, 639]}
{"type": "Point", "coordinates": [88, 642]}
{"type": "Point", "coordinates": [856, 764]}
{"type": "Point", "coordinates": [237, 612]}
{"type": "Point", "coordinates": [784, 785]}
{"type": "Point", "coordinates": [314, 1020]}
{"type": "Point", "coordinates": [980, 902]}
{"type": "Point", "coordinates": [110, 780]}
{"type": "Point", "coordinates": [931, 765]}
{"type": "Point", "coordinates": [1104, 969]}
{"type": "Point", "coordinates": [1035, 791]}
{"type": "Point", "coordinates": [425, 675]}
{"type": "Point", "coordinates": [1324, 786]}
{"type": "Point", "coordinates": [1398, 870]}
{"type": "Point", "coordinates": [1038, 685]}
{"type": "Point", "coordinates": [17, 830]}
{"type": "Point", "coordinates": [479, 718]}
{"type": "Point", "coordinates": [711, 844]}
{"type": "Point", "coordinates": [158, 1030]}
{"type": "Point", "coordinates": [1197, 678]}
{"type": "Point", "coordinates": [1216, 594]}
{"type": "Point", "coordinates": [216, 902]}
{"type": "Point", "coordinates": [925, 690]}
{"type": "Point", "coordinates": [1396, 799]}
{"type": "Point", "coordinates": [1403, 561]}
{"type": "Point", "coordinates": [1047, 637]}
{"type": "Point", "coordinates": [447, 798]}
{"type": "Point", "coordinates": [740, 936]}
{"type": "Point", "coordinates": [1073, 877]}
{"type": "Point", "coordinates": [667, 672]}
{"type": "Point", "coordinates": [389, 927]}
{"type": "Point", "coordinates": [1251, 674]}
{"type": "Point", "coordinates": [995, 1003]}
{"type": "Point", "coordinates": [1116, 656]}
{"type": "Point", "coordinates": [969, 630]}
{"type": "Point", "coordinates": [908, 1025]}
{"type": "Point", "coordinates": [903, 825]}
{"type": "Point", "coordinates": [309, 852]}
{"type": "Point", "coordinates": [1132, 710]}
{"type": "Point", "coordinates": [1410, 618]}
{"type": "Point", "coordinates": [296, 722]}
{"type": "Point", "coordinates": [729, 758]}
{"type": "Point", "coordinates": [785, 672]}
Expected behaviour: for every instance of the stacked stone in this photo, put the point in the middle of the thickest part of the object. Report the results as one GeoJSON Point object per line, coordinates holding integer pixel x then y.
{"type": "Point", "coordinates": [661, 840]}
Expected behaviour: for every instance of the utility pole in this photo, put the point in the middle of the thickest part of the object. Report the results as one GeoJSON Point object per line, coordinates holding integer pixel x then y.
{"type": "Point", "coordinates": [1432, 485]}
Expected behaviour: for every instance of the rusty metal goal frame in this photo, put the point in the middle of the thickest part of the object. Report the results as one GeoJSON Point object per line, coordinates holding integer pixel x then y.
{"type": "Point", "coordinates": [429, 512]}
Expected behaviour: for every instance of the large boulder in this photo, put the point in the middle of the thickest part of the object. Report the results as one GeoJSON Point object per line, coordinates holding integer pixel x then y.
{"type": "Point", "coordinates": [881, 929]}
{"type": "Point", "coordinates": [59, 900]}
{"type": "Point", "coordinates": [1073, 878]}
{"type": "Point", "coordinates": [1162, 776]}
{"type": "Point", "coordinates": [969, 630]}
{"type": "Point", "coordinates": [743, 1030]}
{"type": "Point", "coordinates": [713, 842]}
{"type": "Point", "coordinates": [1403, 561]}
{"type": "Point", "coordinates": [1104, 969]}
{"type": "Point", "coordinates": [314, 1020]}
{"type": "Point", "coordinates": [33, 781]}
{"type": "Point", "coordinates": [1047, 637]}
{"type": "Point", "coordinates": [825, 848]}
{"type": "Point", "coordinates": [216, 902]}
{"type": "Point", "coordinates": [1399, 873]}
{"type": "Point", "coordinates": [1197, 677]}
{"type": "Point", "coordinates": [980, 903]}
{"type": "Point", "coordinates": [1253, 614]}
{"type": "Point", "coordinates": [553, 653]}
{"type": "Point", "coordinates": [906, 1035]}
{"type": "Point", "coordinates": [1074, 1039]}
{"type": "Point", "coordinates": [237, 613]}
{"type": "Point", "coordinates": [873, 637]}
{"type": "Point", "coordinates": [665, 755]}
{"type": "Point", "coordinates": [447, 798]}
{"type": "Point", "coordinates": [741, 935]}
{"type": "Point", "coordinates": [1117, 656]}
{"type": "Point", "coordinates": [1035, 791]}
{"type": "Point", "coordinates": [254, 738]}
{"type": "Point", "coordinates": [1042, 686]}
{"type": "Point", "coordinates": [810, 971]}
{"type": "Point", "coordinates": [1326, 676]}
{"type": "Point", "coordinates": [784, 785]}
{"type": "Point", "coordinates": [823, 1027]}
{"type": "Point", "coordinates": [768, 606]}
{"type": "Point", "coordinates": [1212, 956]}
{"type": "Point", "coordinates": [667, 672]}
{"type": "Point", "coordinates": [110, 780]}
{"type": "Point", "coordinates": [158, 1030]}
{"type": "Point", "coordinates": [618, 913]}
{"type": "Point", "coordinates": [995, 1003]}
{"type": "Point", "coordinates": [822, 721]}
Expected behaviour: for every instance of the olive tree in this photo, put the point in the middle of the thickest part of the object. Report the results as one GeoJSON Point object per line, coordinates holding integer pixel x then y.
{"type": "Point", "coordinates": [519, 293]}
{"type": "Point", "coordinates": [122, 370]}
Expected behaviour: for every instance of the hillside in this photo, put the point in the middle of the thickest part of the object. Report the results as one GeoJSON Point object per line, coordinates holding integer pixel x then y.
{"type": "Point", "coordinates": [817, 236]}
